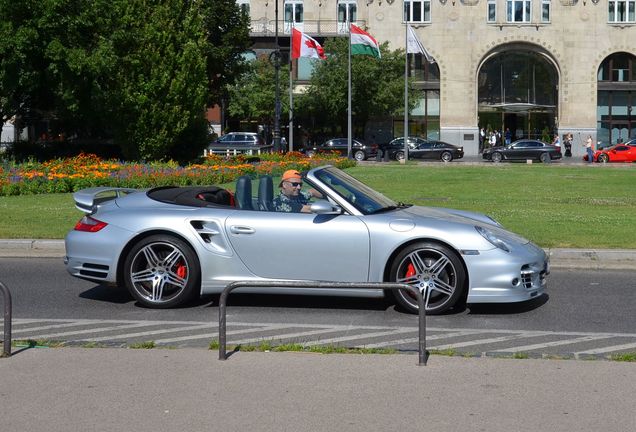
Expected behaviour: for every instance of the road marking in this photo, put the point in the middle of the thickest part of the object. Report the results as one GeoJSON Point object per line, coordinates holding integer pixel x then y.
{"type": "Point", "coordinates": [608, 349]}
{"type": "Point", "coordinates": [152, 332]}
{"type": "Point", "coordinates": [216, 334]}
{"type": "Point", "coordinates": [417, 339]}
{"type": "Point", "coordinates": [553, 344]}
{"type": "Point", "coordinates": [87, 331]}
{"type": "Point", "coordinates": [485, 341]}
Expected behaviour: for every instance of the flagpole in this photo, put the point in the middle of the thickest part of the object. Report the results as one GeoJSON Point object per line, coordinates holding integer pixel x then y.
{"type": "Point", "coordinates": [291, 93]}
{"type": "Point", "coordinates": [349, 99]}
{"type": "Point", "coordinates": [406, 88]}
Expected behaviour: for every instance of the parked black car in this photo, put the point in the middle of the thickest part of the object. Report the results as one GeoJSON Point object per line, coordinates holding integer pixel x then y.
{"type": "Point", "coordinates": [359, 150]}
{"type": "Point", "coordinates": [239, 138]}
{"type": "Point", "coordinates": [523, 149]}
{"type": "Point", "coordinates": [421, 148]}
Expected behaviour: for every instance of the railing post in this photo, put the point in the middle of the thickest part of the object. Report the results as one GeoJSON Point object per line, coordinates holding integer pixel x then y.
{"type": "Point", "coordinates": [7, 320]}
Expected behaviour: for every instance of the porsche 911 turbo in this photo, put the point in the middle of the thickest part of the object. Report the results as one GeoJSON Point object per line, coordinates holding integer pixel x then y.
{"type": "Point", "coordinates": [169, 245]}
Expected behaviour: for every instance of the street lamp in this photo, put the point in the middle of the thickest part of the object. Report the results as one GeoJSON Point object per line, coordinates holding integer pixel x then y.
{"type": "Point", "coordinates": [277, 83]}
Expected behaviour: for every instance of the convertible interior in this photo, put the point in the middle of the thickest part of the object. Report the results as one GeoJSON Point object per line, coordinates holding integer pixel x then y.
{"type": "Point", "coordinates": [214, 196]}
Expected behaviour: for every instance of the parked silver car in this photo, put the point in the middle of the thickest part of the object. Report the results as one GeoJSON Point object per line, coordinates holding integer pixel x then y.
{"type": "Point", "coordinates": [170, 244]}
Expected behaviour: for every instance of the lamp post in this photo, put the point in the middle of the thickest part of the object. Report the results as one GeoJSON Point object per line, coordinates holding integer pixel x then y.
{"type": "Point", "coordinates": [277, 83]}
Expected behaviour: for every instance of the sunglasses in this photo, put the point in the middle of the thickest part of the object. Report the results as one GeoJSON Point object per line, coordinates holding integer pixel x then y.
{"type": "Point", "coordinates": [295, 184]}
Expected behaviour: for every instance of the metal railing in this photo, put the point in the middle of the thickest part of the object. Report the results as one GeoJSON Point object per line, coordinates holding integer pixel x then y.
{"type": "Point", "coordinates": [322, 28]}
{"type": "Point", "coordinates": [7, 321]}
{"type": "Point", "coordinates": [422, 353]}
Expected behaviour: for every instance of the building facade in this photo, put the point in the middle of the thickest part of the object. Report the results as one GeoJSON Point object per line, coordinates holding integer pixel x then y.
{"type": "Point", "coordinates": [535, 67]}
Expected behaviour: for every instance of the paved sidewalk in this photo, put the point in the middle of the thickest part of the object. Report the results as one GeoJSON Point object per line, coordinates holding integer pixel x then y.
{"type": "Point", "coordinates": [559, 258]}
{"type": "Point", "coordinates": [102, 389]}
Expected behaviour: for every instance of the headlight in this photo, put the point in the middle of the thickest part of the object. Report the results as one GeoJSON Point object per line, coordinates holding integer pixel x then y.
{"type": "Point", "coordinates": [492, 238]}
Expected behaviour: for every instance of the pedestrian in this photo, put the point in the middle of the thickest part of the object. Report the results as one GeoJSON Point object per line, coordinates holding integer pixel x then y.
{"type": "Point", "coordinates": [589, 149]}
{"type": "Point", "coordinates": [556, 142]}
{"type": "Point", "coordinates": [568, 145]}
{"type": "Point", "coordinates": [482, 138]}
{"type": "Point", "coordinates": [508, 136]}
{"type": "Point", "coordinates": [492, 140]}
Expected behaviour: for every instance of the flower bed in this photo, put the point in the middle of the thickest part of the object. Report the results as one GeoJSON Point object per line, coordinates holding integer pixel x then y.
{"type": "Point", "coordinates": [87, 170]}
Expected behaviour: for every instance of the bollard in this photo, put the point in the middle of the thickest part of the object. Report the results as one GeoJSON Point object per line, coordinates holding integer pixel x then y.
{"type": "Point", "coordinates": [7, 320]}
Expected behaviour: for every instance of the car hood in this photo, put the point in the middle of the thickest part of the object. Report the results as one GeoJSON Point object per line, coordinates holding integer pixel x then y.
{"type": "Point", "coordinates": [420, 214]}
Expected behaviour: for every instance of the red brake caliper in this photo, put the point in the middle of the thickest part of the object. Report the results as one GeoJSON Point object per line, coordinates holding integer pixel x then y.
{"type": "Point", "coordinates": [182, 271]}
{"type": "Point", "coordinates": [410, 270]}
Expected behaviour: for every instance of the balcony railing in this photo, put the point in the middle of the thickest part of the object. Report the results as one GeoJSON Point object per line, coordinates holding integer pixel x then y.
{"type": "Point", "coordinates": [323, 28]}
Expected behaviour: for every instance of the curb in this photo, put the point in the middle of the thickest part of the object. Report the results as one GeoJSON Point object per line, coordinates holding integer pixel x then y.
{"type": "Point", "coordinates": [590, 259]}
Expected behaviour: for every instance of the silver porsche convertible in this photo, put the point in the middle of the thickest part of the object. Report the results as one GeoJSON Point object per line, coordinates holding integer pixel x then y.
{"type": "Point", "coordinates": [168, 245]}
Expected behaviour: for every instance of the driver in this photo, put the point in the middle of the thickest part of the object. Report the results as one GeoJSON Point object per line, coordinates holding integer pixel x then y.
{"type": "Point", "coordinates": [291, 198]}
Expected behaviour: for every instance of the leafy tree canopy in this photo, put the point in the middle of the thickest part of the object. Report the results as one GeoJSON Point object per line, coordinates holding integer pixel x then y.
{"type": "Point", "coordinates": [138, 71]}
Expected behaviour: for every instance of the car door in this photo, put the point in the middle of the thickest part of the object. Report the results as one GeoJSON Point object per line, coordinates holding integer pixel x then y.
{"type": "Point", "coordinates": [620, 153]}
{"type": "Point", "coordinates": [518, 150]}
{"type": "Point", "coordinates": [423, 150]}
{"type": "Point", "coordinates": [301, 246]}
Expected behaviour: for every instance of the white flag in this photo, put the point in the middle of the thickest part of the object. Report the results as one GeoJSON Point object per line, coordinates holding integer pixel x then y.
{"type": "Point", "coordinates": [414, 46]}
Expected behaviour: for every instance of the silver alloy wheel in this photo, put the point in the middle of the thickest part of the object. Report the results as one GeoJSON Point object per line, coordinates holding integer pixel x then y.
{"type": "Point", "coordinates": [496, 157]}
{"type": "Point", "coordinates": [359, 155]}
{"type": "Point", "coordinates": [161, 272]}
{"type": "Point", "coordinates": [447, 156]}
{"type": "Point", "coordinates": [545, 157]}
{"type": "Point", "coordinates": [433, 269]}
{"type": "Point", "coordinates": [603, 158]}
{"type": "Point", "coordinates": [399, 156]}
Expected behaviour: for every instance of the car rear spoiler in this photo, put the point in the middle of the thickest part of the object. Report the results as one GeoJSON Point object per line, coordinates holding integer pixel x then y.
{"type": "Point", "coordinates": [87, 200]}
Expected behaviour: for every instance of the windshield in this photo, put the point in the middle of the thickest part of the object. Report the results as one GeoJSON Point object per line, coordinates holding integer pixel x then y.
{"type": "Point", "coordinates": [361, 196]}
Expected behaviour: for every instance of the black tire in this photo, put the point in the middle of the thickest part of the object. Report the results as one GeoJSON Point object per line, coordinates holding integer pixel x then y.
{"type": "Point", "coordinates": [545, 158]}
{"type": "Point", "coordinates": [496, 157]}
{"type": "Point", "coordinates": [162, 271]}
{"type": "Point", "coordinates": [359, 155]}
{"type": "Point", "coordinates": [447, 156]}
{"type": "Point", "coordinates": [433, 266]}
{"type": "Point", "coordinates": [603, 158]}
{"type": "Point", "coordinates": [399, 155]}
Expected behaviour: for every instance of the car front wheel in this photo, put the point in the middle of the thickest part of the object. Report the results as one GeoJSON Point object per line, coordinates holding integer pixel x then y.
{"type": "Point", "coordinates": [447, 157]}
{"type": "Point", "coordinates": [432, 268]}
{"type": "Point", "coordinates": [162, 271]}
{"type": "Point", "coordinates": [496, 157]}
{"type": "Point", "coordinates": [399, 156]}
{"type": "Point", "coordinates": [359, 155]}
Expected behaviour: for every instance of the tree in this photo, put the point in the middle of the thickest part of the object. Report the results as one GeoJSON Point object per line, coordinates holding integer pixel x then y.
{"type": "Point", "coordinates": [377, 88]}
{"type": "Point", "coordinates": [252, 97]}
{"type": "Point", "coordinates": [135, 70]}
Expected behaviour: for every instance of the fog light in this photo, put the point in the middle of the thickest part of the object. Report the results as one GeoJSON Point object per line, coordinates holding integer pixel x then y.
{"type": "Point", "coordinates": [515, 282]}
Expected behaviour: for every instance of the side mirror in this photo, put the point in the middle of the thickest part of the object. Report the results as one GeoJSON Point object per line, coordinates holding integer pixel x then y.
{"type": "Point", "coordinates": [325, 207]}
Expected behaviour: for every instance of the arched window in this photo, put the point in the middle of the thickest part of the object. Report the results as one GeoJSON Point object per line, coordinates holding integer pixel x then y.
{"type": "Point", "coordinates": [616, 98]}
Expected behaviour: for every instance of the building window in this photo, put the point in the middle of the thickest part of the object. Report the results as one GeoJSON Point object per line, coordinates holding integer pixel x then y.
{"type": "Point", "coordinates": [244, 6]}
{"type": "Point", "coordinates": [492, 11]}
{"type": "Point", "coordinates": [417, 11]}
{"type": "Point", "coordinates": [622, 10]}
{"type": "Point", "coordinates": [293, 11]}
{"type": "Point", "coordinates": [545, 11]}
{"type": "Point", "coordinates": [347, 13]}
{"type": "Point", "coordinates": [519, 10]}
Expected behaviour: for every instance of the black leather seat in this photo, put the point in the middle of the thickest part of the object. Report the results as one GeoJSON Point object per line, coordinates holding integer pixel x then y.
{"type": "Point", "coordinates": [265, 193]}
{"type": "Point", "coordinates": [243, 193]}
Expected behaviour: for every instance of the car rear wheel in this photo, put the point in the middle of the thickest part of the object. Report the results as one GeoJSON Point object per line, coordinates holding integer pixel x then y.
{"type": "Point", "coordinates": [496, 157]}
{"type": "Point", "coordinates": [359, 155]}
{"type": "Point", "coordinates": [603, 158]}
{"type": "Point", "coordinates": [435, 270]}
{"type": "Point", "coordinates": [399, 156]}
{"type": "Point", "coordinates": [545, 157]}
{"type": "Point", "coordinates": [447, 156]}
{"type": "Point", "coordinates": [162, 271]}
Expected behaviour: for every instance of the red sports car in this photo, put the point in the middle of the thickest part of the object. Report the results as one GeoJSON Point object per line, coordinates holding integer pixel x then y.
{"type": "Point", "coordinates": [617, 153]}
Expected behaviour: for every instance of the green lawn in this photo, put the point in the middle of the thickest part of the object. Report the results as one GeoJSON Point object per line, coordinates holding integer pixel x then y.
{"type": "Point", "coordinates": [553, 205]}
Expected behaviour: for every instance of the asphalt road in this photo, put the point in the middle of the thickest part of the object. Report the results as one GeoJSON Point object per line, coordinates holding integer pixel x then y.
{"type": "Point", "coordinates": [585, 313]}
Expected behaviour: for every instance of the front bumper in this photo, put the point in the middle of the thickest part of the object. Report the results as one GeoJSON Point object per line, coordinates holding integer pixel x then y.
{"type": "Point", "coordinates": [500, 277]}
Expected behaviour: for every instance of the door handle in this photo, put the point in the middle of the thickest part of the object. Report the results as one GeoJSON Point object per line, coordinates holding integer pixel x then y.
{"type": "Point", "coordinates": [237, 229]}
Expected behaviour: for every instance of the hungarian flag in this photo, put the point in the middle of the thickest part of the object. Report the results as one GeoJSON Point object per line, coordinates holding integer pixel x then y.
{"type": "Point", "coordinates": [305, 46]}
{"type": "Point", "coordinates": [363, 43]}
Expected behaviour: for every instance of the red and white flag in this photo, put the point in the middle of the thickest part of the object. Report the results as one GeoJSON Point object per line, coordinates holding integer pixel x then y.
{"type": "Point", "coordinates": [306, 46]}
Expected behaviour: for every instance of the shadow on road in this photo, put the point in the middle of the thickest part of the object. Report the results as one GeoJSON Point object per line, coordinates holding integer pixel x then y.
{"type": "Point", "coordinates": [507, 308]}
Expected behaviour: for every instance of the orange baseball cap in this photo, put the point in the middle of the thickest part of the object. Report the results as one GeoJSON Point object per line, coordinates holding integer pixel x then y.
{"type": "Point", "coordinates": [289, 174]}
